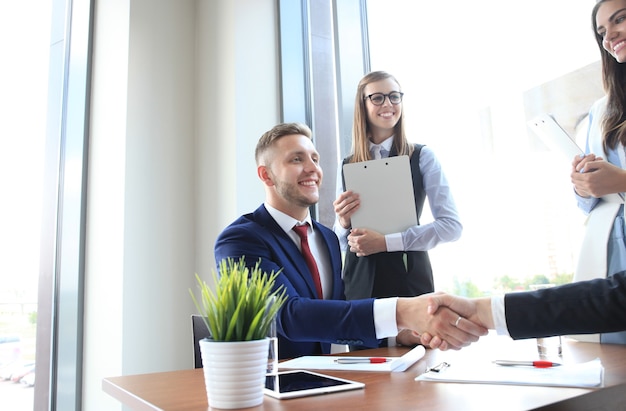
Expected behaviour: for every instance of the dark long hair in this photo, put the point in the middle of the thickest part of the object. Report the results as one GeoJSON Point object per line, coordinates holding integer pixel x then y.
{"type": "Point", "coordinates": [614, 82]}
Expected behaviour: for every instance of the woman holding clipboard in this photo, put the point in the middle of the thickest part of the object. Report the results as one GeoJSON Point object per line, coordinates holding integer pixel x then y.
{"type": "Point", "coordinates": [394, 264]}
{"type": "Point", "coordinates": [599, 177]}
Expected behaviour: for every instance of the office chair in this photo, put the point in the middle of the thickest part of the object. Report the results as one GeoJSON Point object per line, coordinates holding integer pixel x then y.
{"type": "Point", "coordinates": [199, 331]}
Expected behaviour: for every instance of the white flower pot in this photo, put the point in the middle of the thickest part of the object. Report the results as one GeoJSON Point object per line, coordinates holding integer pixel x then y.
{"type": "Point", "coordinates": [234, 372]}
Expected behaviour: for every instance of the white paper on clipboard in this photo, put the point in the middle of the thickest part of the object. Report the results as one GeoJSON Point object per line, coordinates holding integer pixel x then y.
{"type": "Point", "coordinates": [553, 136]}
{"type": "Point", "coordinates": [385, 187]}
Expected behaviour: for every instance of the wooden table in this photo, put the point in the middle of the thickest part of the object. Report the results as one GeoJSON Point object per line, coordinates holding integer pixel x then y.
{"type": "Point", "coordinates": [185, 391]}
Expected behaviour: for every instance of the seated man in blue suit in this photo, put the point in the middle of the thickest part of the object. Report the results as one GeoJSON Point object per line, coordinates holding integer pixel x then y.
{"type": "Point", "coordinates": [316, 313]}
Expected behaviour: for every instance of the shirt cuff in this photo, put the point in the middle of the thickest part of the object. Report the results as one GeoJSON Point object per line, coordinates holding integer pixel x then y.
{"type": "Point", "coordinates": [394, 242]}
{"type": "Point", "coordinates": [342, 235]}
{"type": "Point", "coordinates": [340, 231]}
{"type": "Point", "coordinates": [587, 201]}
{"type": "Point", "coordinates": [499, 316]}
{"type": "Point", "coordinates": [385, 322]}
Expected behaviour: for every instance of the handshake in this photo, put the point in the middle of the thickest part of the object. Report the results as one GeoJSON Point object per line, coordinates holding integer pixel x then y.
{"type": "Point", "coordinates": [443, 321]}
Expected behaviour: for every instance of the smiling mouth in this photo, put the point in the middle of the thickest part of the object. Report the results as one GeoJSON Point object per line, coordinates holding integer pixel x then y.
{"type": "Point", "coordinates": [619, 45]}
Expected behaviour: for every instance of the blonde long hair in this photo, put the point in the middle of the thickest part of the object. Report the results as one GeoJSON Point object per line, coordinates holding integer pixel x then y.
{"type": "Point", "coordinates": [360, 126]}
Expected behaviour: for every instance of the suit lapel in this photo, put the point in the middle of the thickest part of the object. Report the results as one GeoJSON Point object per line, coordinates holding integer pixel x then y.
{"type": "Point", "coordinates": [287, 247]}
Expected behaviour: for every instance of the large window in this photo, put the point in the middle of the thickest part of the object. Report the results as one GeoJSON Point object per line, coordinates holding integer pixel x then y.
{"type": "Point", "coordinates": [473, 73]}
{"type": "Point", "coordinates": [45, 79]}
{"type": "Point", "coordinates": [25, 30]}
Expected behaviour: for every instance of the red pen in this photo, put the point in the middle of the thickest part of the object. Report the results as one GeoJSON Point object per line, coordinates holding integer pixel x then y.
{"type": "Point", "coordinates": [538, 364]}
{"type": "Point", "coordinates": [359, 360]}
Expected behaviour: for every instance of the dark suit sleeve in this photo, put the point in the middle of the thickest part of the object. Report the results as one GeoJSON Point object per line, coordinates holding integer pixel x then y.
{"type": "Point", "coordinates": [304, 318]}
{"type": "Point", "coordinates": [585, 307]}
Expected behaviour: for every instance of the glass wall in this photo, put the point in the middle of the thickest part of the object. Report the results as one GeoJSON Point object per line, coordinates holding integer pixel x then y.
{"type": "Point", "coordinates": [473, 74]}
{"type": "Point", "coordinates": [25, 30]}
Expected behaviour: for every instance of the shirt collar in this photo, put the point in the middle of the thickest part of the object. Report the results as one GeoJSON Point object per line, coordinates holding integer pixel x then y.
{"type": "Point", "coordinates": [386, 144]}
{"type": "Point", "coordinates": [285, 221]}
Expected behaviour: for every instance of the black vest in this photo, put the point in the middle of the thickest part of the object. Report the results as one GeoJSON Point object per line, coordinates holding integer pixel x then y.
{"type": "Point", "coordinates": [389, 274]}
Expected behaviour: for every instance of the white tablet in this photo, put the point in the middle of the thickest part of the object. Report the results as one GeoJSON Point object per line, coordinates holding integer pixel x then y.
{"type": "Point", "coordinates": [300, 383]}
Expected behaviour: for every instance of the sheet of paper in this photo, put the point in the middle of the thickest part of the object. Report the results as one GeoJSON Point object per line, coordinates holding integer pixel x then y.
{"type": "Point", "coordinates": [328, 362]}
{"type": "Point", "coordinates": [588, 374]}
{"type": "Point", "coordinates": [386, 190]}
{"type": "Point", "coordinates": [554, 137]}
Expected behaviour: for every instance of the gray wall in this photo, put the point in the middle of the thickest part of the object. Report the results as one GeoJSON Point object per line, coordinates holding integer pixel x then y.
{"type": "Point", "coordinates": [177, 108]}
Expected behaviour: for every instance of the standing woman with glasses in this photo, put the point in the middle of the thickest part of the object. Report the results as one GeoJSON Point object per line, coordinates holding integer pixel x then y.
{"type": "Point", "coordinates": [396, 264]}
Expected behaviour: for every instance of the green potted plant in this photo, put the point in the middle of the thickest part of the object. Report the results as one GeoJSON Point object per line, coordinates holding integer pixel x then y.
{"type": "Point", "coordinates": [239, 312]}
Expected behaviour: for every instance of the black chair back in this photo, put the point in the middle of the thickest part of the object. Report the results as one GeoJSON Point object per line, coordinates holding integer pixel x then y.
{"type": "Point", "coordinates": [199, 331]}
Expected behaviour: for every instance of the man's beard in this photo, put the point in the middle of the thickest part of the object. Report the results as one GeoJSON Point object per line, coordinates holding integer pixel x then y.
{"type": "Point", "coordinates": [292, 194]}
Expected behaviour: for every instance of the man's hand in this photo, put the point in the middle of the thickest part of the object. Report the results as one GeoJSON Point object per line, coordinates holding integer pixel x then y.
{"type": "Point", "coordinates": [412, 313]}
{"type": "Point", "coordinates": [408, 337]}
{"type": "Point", "coordinates": [473, 312]}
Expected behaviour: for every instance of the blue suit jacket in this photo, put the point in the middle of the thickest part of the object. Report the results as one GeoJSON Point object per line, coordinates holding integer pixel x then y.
{"type": "Point", "coordinates": [595, 306]}
{"type": "Point", "coordinates": [306, 325]}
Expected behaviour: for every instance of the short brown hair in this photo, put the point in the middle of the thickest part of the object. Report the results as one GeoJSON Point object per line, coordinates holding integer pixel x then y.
{"type": "Point", "coordinates": [278, 131]}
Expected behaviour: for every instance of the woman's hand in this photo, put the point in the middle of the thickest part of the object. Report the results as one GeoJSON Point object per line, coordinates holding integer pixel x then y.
{"type": "Point", "coordinates": [345, 205]}
{"type": "Point", "coordinates": [364, 241]}
{"type": "Point", "coordinates": [598, 178]}
{"type": "Point", "coordinates": [580, 164]}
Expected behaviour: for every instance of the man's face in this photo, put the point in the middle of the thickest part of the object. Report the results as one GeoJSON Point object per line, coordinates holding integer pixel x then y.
{"type": "Point", "coordinates": [293, 174]}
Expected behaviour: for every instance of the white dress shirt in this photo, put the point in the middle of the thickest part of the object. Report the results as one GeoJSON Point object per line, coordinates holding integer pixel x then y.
{"type": "Point", "coordinates": [384, 308]}
{"type": "Point", "coordinates": [499, 315]}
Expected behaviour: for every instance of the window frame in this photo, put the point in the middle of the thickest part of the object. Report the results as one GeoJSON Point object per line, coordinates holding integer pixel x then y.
{"type": "Point", "coordinates": [59, 349]}
{"type": "Point", "coordinates": [324, 53]}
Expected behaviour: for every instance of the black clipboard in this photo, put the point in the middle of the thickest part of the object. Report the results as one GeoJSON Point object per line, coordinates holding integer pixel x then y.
{"type": "Point", "coordinates": [386, 190]}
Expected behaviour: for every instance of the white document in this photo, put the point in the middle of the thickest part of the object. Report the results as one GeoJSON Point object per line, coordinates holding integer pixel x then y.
{"type": "Point", "coordinates": [386, 190]}
{"type": "Point", "coordinates": [588, 374]}
{"type": "Point", "coordinates": [553, 136]}
{"type": "Point", "coordinates": [328, 362]}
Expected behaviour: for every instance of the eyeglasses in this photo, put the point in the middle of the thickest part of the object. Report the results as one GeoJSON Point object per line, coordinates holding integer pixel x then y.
{"type": "Point", "coordinates": [378, 99]}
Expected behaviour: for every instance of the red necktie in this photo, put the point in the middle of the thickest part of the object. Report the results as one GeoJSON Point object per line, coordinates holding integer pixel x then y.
{"type": "Point", "coordinates": [301, 230]}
